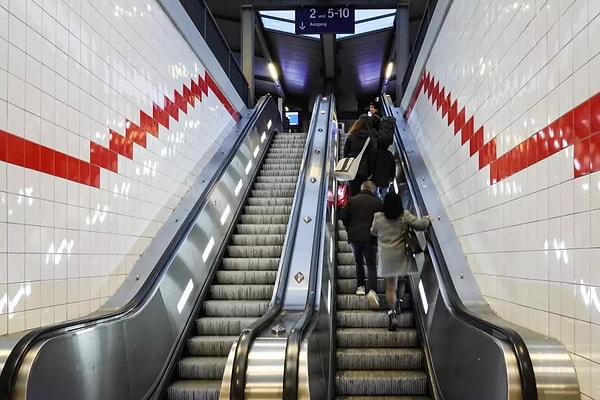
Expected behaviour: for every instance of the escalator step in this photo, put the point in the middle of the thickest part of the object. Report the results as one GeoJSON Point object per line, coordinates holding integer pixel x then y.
{"type": "Point", "coordinates": [369, 319]}
{"type": "Point", "coordinates": [257, 239]}
{"type": "Point", "coordinates": [222, 326]}
{"type": "Point", "coordinates": [376, 337]}
{"type": "Point", "coordinates": [380, 382]}
{"type": "Point", "coordinates": [264, 219]}
{"type": "Point", "coordinates": [380, 358]}
{"type": "Point", "coordinates": [257, 263]}
{"type": "Point", "coordinates": [261, 210]}
{"type": "Point", "coordinates": [235, 308]}
{"type": "Point", "coordinates": [382, 398]}
{"type": "Point", "coordinates": [245, 277]}
{"type": "Point", "coordinates": [241, 292]}
{"type": "Point", "coordinates": [201, 367]}
{"type": "Point", "coordinates": [268, 201]}
{"type": "Point", "coordinates": [253, 251]}
{"type": "Point", "coordinates": [253, 229]}
{"type": "Point", "coordinates": [194, 390]}
{"type": "Point", "coordinates": [217, 346]}
{"type": "Point", "coordinates": [348, 286]}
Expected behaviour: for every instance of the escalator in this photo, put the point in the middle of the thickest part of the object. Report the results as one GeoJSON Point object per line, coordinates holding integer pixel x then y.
{"type": "Point", "coordinates": [371, 361]}
{"type": "Point", "coordinates": [337, 348]}
{"type": "Point", "coordinates": [243, 285]}
{"type": "Point", "coordinates": [135, 340]}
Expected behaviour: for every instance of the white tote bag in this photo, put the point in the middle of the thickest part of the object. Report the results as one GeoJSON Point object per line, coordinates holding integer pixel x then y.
{"type": "Point", "coordinates": [347, 167]}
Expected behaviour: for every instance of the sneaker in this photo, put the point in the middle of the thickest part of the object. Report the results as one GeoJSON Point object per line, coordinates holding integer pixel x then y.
{"type": "Point", "coordinates": [373, 300]}
{"type": "Point", "coordinates": [393, 320]}
{"type": "Point", "coordinates": [361, 291]}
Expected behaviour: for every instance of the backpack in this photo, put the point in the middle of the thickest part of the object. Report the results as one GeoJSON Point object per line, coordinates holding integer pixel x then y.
{"type": "Point", "coordinates": [387, 126]}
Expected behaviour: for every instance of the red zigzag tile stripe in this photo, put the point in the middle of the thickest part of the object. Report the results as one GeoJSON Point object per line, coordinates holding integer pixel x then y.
{"type": "Point", "coordinates": [25, 153]}
{"type": "Point", "coordinates": [579, 127]}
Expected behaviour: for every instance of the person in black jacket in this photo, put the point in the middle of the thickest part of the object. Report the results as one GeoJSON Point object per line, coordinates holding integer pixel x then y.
{"type": "Point", "coordinates": [357, 218]}
{"type": "Point", "coordinates": [357, 135]}
{"type": "Point", "coordinates": [383, 166]}
{"type": "Point", "coordinates": [376, 115]}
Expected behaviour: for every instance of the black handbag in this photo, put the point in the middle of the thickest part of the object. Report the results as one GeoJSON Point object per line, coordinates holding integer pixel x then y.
{"type": "Point", "coordinates": [411, 241]}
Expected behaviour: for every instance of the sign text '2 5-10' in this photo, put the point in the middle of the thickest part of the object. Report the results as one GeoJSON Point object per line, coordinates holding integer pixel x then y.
{"type": "Point", "coordinates": [324, 20]}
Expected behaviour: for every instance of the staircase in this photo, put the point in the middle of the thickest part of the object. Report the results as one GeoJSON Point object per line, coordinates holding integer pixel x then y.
{"type": "Point", "coordinates": [373, 363]}
{"type": "Point", "coordinates": [243, 285]}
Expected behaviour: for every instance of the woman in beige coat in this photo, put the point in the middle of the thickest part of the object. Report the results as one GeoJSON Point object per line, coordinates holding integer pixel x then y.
{"type": "Point", "coordinates": [388, 226]}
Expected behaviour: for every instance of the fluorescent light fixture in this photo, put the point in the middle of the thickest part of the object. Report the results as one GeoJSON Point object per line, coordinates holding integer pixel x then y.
{"type": "Point", "coordinates": [263, 137]}
{"type": "Point", "coordinates": [225, 214]}
{"type": "Point", "coordinates": [248, 167]}
{"type": "Point", "coordinates": [423, 297]}
{"type": "Point", "coordinates": [207, 250]}
{"type": "Point", "coordinates": [388, 70]}
{"type": "Point", "coordinates": [273, 71]}
{"type": "Point", "coordinates": [256, 150]}
{"type": "Point", "coordinates": [238, 187]}
{"type": "Point", "coordinates": [184, 296]}
{"type": "Point", "coordinates": [269, 124]}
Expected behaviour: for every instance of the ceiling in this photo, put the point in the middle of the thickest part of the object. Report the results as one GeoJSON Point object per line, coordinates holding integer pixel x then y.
{"type": "Point", "coordinates": [353, 68]}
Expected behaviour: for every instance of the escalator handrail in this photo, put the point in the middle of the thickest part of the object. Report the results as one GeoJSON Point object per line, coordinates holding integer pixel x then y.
{"type": "Point", "coordinates": [455, 305]}
{"type": "Point", "coordinates": [29, 340]}
{"type": "Point", "coordinates": [249, 334]}
{"type": "Point", "coordinates": [292, 354]}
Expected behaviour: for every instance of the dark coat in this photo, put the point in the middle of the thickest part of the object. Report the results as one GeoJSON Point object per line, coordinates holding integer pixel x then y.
{"type": "Point", "coordinates": [382, 166]}
{"type": "Point", "coordinates": [355, 141]}
{"type": "Point", "coordinates": [358, 214]}
{"type": "Point", "coordinates": [376, 120]}
{"type": "Point", "coordinates": [354, 144]}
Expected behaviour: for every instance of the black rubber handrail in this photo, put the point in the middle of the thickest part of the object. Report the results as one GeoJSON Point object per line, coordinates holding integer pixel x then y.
{"type": "Point", "coordinates": [457, 307]}
{"type": "Point", "coordinates": [27, 342]}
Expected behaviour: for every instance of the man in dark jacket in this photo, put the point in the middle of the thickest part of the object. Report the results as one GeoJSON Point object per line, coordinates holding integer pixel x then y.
{"type": "Point", "coordinates": [357, 217]}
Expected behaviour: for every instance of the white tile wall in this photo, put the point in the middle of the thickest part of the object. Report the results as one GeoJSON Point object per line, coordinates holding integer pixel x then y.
{"type": "Point", "coordinates": [531, 62]}
{"type": "Point", "coordinates": [69, 72]}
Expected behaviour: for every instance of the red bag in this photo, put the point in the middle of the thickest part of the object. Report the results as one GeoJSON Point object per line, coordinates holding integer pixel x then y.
{"type": "Point", "coordinates": [343, 194]}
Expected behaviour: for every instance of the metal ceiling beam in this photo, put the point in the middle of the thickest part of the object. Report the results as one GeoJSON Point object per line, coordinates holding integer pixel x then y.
{"type": "Point", "coordinates": [329, 53]}
{"type": "Point", "coordinates": [402, 47]}
{"type": "Point", "coordinates": [262, 42]}
{"type": "Point", "coordinates": [247, 49]}
{"type": "Point", "coordinates": [328, 46]}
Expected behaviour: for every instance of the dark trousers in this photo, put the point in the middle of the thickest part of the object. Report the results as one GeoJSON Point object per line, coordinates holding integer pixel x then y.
{"type": "Point", "coordinates": [365, 253]}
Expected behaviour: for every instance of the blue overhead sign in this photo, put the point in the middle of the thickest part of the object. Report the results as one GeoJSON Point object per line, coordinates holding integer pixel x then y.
{"type": "Point", "coordinates": [324, 20]}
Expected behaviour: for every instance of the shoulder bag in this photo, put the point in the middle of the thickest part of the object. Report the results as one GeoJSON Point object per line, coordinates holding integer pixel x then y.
{"type": "Point", "coordinates": [347, 167]}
